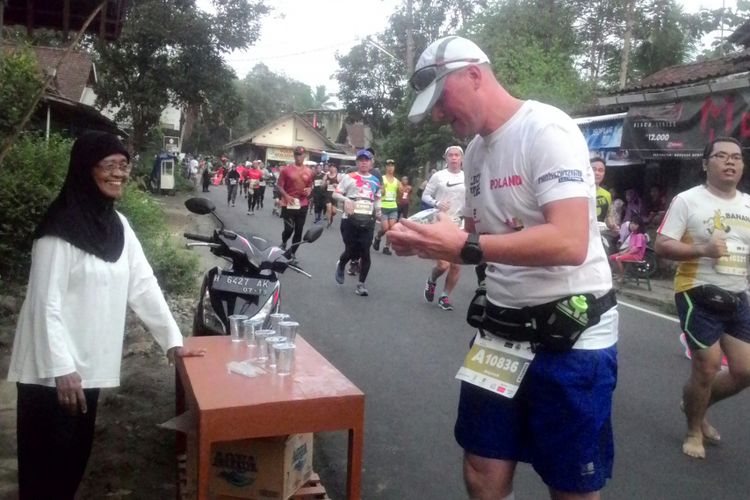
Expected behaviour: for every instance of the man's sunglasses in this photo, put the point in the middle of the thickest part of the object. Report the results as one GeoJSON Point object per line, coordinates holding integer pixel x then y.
{"type": "Point", "coordinates": [423, 77]}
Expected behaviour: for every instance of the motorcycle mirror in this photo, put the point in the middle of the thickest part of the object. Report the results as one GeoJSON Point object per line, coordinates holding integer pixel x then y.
{"type": "Point", "coordinates": [200, 206]}
{"type": "Point", "coordinates": [313, 234]}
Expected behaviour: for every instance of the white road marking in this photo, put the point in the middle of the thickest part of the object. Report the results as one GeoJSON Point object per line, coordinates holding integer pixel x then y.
{"type": "Point", "coordinates": [649, 311]}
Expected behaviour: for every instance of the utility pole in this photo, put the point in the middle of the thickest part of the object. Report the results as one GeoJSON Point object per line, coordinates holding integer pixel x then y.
{"type": "Point", "coordinates": [409, 37]}
{"type": "Point", "coordinates": [629, 20]}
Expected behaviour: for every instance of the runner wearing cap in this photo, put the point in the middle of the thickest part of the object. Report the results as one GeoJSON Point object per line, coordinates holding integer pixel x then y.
{"type": "Point", "coordinates": [295, 185]}
{"type": "Point", "coordinates": [360, 193]}
{"type": "Point", "coordinates": [531, 217]}
{"type": "Point", "coordinates": [389, 208]}
{"type": "Point", "coordinates": [446, 192]}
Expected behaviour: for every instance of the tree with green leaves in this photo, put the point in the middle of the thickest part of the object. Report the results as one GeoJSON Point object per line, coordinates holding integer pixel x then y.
{"type": "Point", "coordinates": [370, 85]}
{"type": "Point", "coordinates": [170, 51]}
{"type": "Point", "coordinates": [19, 84]}
{"type": "Point", "coordinates": [266, 96]}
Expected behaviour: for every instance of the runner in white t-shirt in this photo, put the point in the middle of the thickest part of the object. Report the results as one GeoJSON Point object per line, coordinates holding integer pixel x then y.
{"type": "Point", "coordinates": [551, 320]}
{"type": "Point", "coordinates": [707, 229]}
{"type": "Point", "coordinates": [446, 191]}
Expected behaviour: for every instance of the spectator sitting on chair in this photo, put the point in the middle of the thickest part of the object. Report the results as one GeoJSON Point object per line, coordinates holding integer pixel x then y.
{"type": "Point", "coordinates": [635, 247]}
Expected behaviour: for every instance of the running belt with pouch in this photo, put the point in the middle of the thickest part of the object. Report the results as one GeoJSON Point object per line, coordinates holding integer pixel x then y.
{"type": "Point", "coordinates": [715, 299]}
{"type": "Point", "coordinates": [554, 326]}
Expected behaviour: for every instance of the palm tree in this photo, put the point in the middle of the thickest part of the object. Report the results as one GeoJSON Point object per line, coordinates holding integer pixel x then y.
{"type": "Point", "coordinates": [322, 99]}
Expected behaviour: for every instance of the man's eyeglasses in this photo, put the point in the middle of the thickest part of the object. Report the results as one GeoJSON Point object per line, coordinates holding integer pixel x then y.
{"type": "Point", "coordinates": [724, 157]}
{"type": "Point", "coordinates": [423, 77]}
{"type": "Point", "coordinates": [111, 166]}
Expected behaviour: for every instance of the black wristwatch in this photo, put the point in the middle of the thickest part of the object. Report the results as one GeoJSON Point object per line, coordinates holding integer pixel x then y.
{"type": "Point", "coordinates": [471, 253]}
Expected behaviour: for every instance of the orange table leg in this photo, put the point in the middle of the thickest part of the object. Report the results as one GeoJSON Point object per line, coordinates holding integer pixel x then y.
{"type": "Point", "coordinates": [354, 468]}
{"type": "Point", "coordinates": [204, 463]}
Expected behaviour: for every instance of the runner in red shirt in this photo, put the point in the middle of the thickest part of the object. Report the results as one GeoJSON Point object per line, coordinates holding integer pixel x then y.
{"type": "Point", "coordinates": [295, 185]}
{"type": "Point", "coordinates": [253, 176]}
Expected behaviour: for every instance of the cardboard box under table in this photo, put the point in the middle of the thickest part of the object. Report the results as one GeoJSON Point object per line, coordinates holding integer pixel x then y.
{"type": "Point", "coordinates": [316, 397]}
{"type": "Point", "coordinates": [262, 468]}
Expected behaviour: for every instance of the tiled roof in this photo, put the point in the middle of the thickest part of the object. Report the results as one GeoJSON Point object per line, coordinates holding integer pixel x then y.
{"type": "Point", "coordinates": [72, 76]}
{"type": "Point", "coordinates": [737, 62]}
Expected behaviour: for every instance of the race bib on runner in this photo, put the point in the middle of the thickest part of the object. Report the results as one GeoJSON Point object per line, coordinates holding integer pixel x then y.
{"type": "Point", "coordinates": [363, 207]}
{"type": "Point", "coordinates": [496, 364]}
{"type": "Point", "coordinates": [232, 182]}
{"type": "Point", "coordinates": [294, 204]}
{"type": "Point", "coordinates": [736, 262]}
{"type": "Point", "coordinates": [318, 182]}
{"type": "Point", "coordinates": [390, 196]}
{"type": "Point", "coordinates": [331, 187]}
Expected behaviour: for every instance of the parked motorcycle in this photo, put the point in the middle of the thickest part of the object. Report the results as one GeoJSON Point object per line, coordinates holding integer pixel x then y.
{"type": "Point", "coordinates": [644, 269]}
{"type": "Point", "coordinates": [250, 285]}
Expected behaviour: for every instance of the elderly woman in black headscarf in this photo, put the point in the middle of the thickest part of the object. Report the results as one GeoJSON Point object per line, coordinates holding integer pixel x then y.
{"type": "Point", "coordinates": [87, 266]}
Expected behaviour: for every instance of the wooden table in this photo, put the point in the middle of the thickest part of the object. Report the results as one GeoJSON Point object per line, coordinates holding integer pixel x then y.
{"type": "Point", "coordinates": [316, 397]}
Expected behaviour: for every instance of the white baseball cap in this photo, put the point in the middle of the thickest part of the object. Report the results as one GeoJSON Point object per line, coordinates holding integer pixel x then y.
{"type": "Point", "coordinates": [439, 59]}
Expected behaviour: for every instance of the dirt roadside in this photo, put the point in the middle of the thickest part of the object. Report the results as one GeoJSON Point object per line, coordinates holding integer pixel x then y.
{"type": "Point", "coordinates": [132, 457]}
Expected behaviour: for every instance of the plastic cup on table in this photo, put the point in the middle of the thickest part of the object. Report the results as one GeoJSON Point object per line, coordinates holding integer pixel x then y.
{"type": "Point", "coordinates": [284, 354]}
{"type": "Point", "coordinates": [276, 318]}
{"type": "Point", "coordinates": [260, 338]}
{"type": "Point", "coordinates": [236, 327]}
{"type": "Point", "coordinates": [272, 341]}
{"type": "Point", "coordinates": [251, 326]}
{"type": "Point", "coordinates": [289, 329]}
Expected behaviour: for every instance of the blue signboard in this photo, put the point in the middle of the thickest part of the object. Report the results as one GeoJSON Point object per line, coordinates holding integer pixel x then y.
{"type": "Point", "coordinates": [602, 135]}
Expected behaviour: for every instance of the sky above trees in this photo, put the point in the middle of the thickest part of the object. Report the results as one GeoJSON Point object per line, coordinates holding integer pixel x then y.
{"type": "Point", "coordinates": [301, 37]}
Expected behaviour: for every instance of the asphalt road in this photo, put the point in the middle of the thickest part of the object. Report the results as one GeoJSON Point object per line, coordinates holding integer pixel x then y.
{"type": "Point", "coordinates": [403, 353]}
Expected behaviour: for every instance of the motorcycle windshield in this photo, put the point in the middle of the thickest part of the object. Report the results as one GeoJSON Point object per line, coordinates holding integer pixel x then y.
{"type": "Point", "coordinates": [253, 248]}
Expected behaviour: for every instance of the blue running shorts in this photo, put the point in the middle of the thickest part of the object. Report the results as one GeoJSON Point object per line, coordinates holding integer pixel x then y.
{"type": "Point", "coordinates": [703, 328]}
{"type": "Point", "coordinates": [559, 421]}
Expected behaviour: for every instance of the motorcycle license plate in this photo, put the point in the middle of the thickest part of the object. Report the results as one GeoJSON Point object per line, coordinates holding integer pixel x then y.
{"type": "Point", "coordinates": [242, 284]}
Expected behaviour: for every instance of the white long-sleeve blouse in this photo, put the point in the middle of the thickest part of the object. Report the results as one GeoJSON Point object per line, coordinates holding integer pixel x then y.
{"type": "Point", "coordinates": [73, 316]}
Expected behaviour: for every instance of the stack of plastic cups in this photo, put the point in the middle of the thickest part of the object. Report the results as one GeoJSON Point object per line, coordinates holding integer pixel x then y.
{"type": "Point", "coordinates": [289, 330]}
{"type": "Point", "coordinates": [277, 318]}
{"type": "Point", "coordinates": [236, 327]}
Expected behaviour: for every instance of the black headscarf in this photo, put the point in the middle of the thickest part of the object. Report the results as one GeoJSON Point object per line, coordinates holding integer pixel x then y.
{"type": "Point", "coordinates": [81, 214]}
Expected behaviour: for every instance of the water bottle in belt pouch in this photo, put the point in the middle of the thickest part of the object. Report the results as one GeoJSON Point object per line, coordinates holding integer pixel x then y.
{"type": "Point", "coordinates": [560, 326]}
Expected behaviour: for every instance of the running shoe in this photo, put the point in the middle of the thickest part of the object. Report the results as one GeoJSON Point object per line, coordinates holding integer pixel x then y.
{"type": "Point", "coordinates": [429, 291]}
{"type": "Point", "coordinates": [353, 268]}
{"type": "Point", "coordinates": [386, 251]}
{"type": "Point", "coordinates": [376, 244]}
{"type": "Point", "coordinates": [445, 303]}
{"type": "Point", "coordinates": [339, 273]}
{"type": "Point", "coordinates": [361, 290]}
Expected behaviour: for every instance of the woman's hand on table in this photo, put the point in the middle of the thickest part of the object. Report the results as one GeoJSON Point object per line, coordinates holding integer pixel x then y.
{"type": "Point", "coordinates": [183, 352]}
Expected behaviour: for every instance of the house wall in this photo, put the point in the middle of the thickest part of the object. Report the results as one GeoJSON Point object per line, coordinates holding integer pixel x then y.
{"type": "Point", "coordinates": [282, 135]}
{"type": "Point", "coordinates": [303, 136]}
